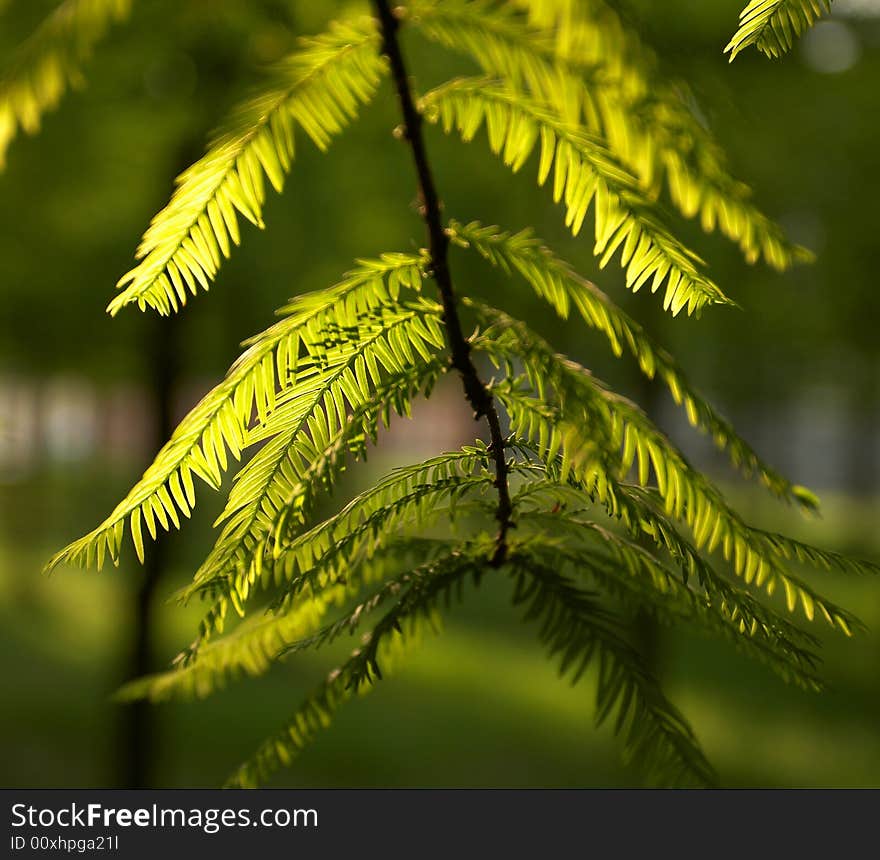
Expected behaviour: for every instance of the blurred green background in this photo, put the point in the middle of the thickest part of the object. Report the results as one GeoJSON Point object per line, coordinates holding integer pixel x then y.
{"type": "Point", "coordinates": [798, 370]}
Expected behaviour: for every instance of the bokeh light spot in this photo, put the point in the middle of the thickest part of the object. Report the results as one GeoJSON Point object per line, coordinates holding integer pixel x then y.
{"type": "Point", "coordinates": [831, 47]}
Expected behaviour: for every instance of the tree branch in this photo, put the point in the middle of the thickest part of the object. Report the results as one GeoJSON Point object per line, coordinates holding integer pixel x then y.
{"type": "Point", "coordinates": [438, 247]}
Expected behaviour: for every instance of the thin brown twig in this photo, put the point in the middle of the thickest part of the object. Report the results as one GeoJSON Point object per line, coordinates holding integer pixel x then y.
{"type": "Point", "coordinates": [475, 390]}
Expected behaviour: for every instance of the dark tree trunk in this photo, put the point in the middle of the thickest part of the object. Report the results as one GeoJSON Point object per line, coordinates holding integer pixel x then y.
{"type": "Point", "coordinates": [138, 727]}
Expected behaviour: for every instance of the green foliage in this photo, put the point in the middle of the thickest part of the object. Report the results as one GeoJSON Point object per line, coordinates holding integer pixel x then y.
{"type": "Point", "coordinates": [773, 25]}
{"type": "Point", "coordinates": [557, 400]}
{"type": "Point", "coordinates": [332, 550]}
{"type": "Point", "coordinates": [581, 502]}
{"type": "Point", "coordinates": [558, 284]}
{"type": "Point", "coordinates": [579, 631]}
{"type": "Point", "coordinates": [584, 172]}
{"type": "Point", "coordinates": [319, 88]}
{"type": "Point", "coordinates": [50, 61]}
{"type": "Point", "coordinates": [564, 533]}
{"type": "Point", "coordinates": [295, 355]}
{"type": "Point", "coordinates": [592, 71]}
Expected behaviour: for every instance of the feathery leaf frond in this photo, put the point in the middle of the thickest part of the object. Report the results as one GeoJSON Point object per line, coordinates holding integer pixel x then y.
{"type": "Point", "coordinates": [222, 420]}
{"type": "Point", "coordinates": [258, 642]}
{"type": "Point", "coordinates": [584, 173]}
{"type": "Point", "coordinates": [319, 88]}
{"type": "Point", "coordinates": [594, 427]}
{"type": "Point", "coordinates": [650, 123]}
{"type": "Point", "coordinates": [281, 484]}
{"type": "Point", "coordinates": [773, 25]}
{"type": "Point", "coordinates": [250, 649]}
{"type": "Point", "coordinates": [578, 631]}
{"type": "Point", "coordinates": [49, 62]}
{"type": "Point", "coordinates": [418, 605]}
{"type": "Point", "coordinates": [558, 284]}
{"type": "Point", "coordinates": [498, 40]}
{"type": "Point", "coordinates": [328, 551]}
{"type": "Point", "coordinates": [563, 514]}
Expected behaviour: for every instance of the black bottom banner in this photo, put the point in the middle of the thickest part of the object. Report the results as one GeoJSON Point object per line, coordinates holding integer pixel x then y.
{"type": "Point", "coordinates": [432, 822]}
